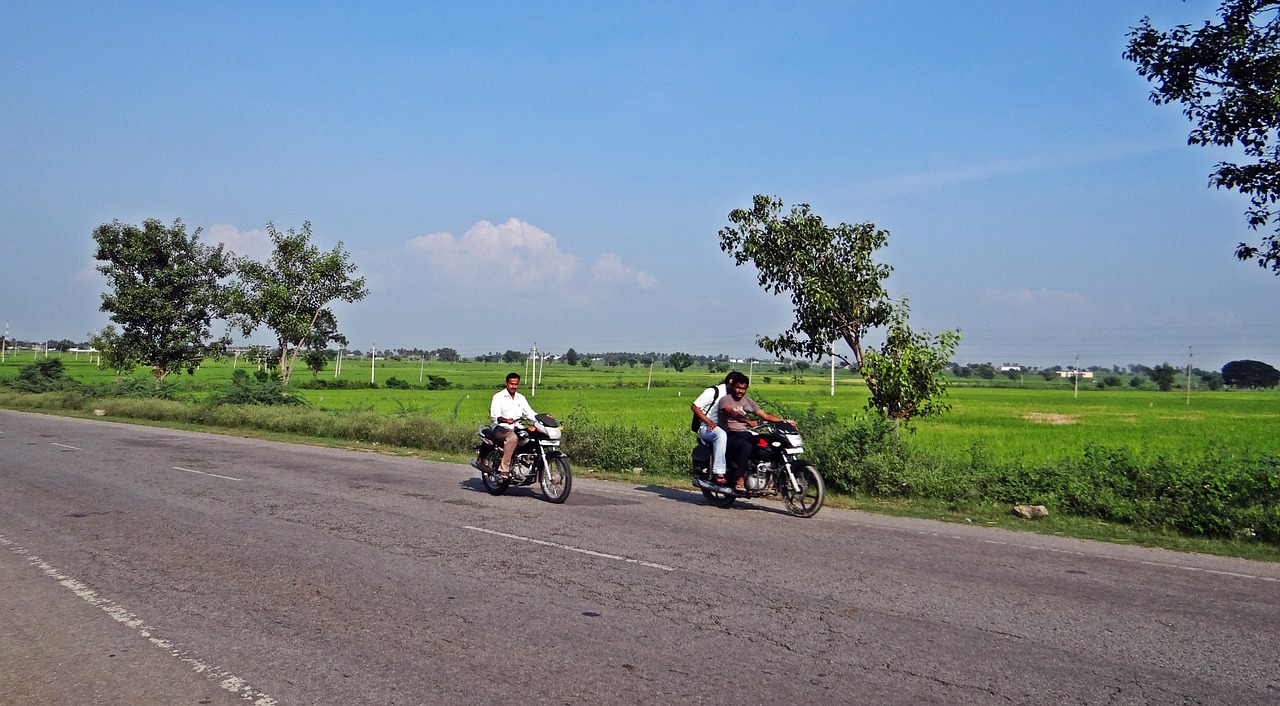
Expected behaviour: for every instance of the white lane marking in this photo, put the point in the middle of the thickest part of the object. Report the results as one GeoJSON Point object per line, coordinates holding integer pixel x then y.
{"type": "Point", "coordinates": [73, 448]}
{"type": "Point", "coordinates": [566, 547]}
{"type": "Point", "coordinates": [215, 475]}
{"type": "Point", "coordinates": [225, 679]}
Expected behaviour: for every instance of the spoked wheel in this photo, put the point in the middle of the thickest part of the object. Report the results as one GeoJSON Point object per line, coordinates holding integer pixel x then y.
{"type": "Point", "coordinates": [556, 479]}
{"type": "Point", "coordinates": [716, 498]}
{"type": "Point", "coordinates": [494, 483]}
{"type": "Point", "coordinates": [808, 501]}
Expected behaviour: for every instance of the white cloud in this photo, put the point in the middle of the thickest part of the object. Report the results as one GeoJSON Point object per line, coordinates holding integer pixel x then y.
{"type": "Point", "coordinates": [515, 255]}
{"type": "Point", "coordinates": [609, 268]}
{"type": "Point", "coordinates": [253, 244]}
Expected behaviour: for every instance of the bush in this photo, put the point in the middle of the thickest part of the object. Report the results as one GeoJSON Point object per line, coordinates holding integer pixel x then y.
{"type": "Point", "coordinates": [48, 375]}
{"type": "Point", "coordinates": [338, 384]}
{"type": "Point", "coordinates": [394, 383]}
{"type": "Point", "coordinates": [261, 389]}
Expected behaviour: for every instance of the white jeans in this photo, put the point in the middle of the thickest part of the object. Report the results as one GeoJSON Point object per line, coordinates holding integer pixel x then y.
{"type": "Point", "coordinates": [718, 440]}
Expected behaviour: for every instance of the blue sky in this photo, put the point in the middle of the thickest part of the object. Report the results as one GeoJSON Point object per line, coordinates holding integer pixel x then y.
{"type": "Point", "coordinates": [511, 173]}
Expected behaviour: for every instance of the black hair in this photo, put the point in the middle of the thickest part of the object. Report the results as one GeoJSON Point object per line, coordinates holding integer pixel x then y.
{"type": "Point", "coordinates": [735, 377]}
{"type": "Point", "coordinates": [513, 375]}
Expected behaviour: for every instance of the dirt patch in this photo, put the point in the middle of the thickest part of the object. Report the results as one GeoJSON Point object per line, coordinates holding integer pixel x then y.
{"type": "Point", "coordinates": [1050, 418]}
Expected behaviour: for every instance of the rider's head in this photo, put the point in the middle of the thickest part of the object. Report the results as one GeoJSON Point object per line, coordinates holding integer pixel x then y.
{"type": "Point", "coordinates": [736, 377]}
{"type": "Point", "coordinates": [513, 381]}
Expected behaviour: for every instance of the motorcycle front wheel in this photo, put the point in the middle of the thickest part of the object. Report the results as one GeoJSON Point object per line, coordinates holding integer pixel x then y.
{"type": "Point", "coordinates": [494, 483]}
{"type": "Point", "coordinates": [556, 479]}
{"type": "Point", "coordinates": [808, 501]}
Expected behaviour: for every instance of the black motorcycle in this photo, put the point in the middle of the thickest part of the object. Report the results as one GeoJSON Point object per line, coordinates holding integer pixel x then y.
{"type": "Point", "coordinates": [775, 469]}
{"type": "Point", "coordinates": [537, 458]}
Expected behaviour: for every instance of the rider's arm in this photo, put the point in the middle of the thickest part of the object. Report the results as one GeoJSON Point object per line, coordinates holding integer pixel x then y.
{"type": "Point", "coordinates": [697, 412]}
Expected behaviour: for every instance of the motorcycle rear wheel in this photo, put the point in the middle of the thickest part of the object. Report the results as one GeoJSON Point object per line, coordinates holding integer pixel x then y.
{"type": "Point", "coordinates": [494, 483]}
{"type": "Point", "coordinates": [808, 501]}
{"type": "Point", "coordinates": [718, 499]}
{"type": "Point", "coordinates": [556, 479]}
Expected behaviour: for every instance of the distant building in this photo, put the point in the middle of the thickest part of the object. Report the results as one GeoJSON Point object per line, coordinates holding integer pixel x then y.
{"type": "Point", "coordinates": [1086, 374]}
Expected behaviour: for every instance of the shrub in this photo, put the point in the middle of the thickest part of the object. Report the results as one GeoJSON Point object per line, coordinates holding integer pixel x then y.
{"type": "Point", "coordinates": [48, 375]}
{"type": "Point", "coordinates": [261, 389]}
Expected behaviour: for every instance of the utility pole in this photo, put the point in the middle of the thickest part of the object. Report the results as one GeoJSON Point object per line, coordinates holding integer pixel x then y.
{"type": "Point", "coordinates": [1189, 355]}
{"type": "Point", "coordinates": [1077, 375]}
{"type": "Point", "coordinates": [373, 362]}
{"type": "Point", "coordinates": [833, 370]}
{"type": "Point", "coordinates": [533, 356]}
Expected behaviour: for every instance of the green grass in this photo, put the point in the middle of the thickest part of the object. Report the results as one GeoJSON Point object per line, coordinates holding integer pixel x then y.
{"type": "Point", "coordinates": [1021, 440]}
{"type": "Point", "coordinates": [1028, 423]}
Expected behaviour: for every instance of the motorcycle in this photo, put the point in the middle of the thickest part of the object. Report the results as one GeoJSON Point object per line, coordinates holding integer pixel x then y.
{"type": "Point", "coordinates": [537, 458]}
{"type": "Point", "coordinates": [775, 468]}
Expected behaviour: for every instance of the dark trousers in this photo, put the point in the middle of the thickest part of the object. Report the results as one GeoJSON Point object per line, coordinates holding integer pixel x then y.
{"type": "Point", "coordinates": [738, 452]}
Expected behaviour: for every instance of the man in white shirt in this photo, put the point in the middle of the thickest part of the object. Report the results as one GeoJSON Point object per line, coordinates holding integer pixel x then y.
{"type": "Point", "coordinates": [507, 407]}
{"type": "Point", "coordinates": [707, 411]}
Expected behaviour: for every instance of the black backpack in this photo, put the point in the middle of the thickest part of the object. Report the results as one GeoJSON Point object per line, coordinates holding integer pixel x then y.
{"type": "Point", "coordinates": [693, 425]}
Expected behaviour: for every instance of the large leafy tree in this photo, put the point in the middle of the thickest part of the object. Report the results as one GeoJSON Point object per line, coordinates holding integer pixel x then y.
{"type": "Point", "coordinates": [837, 289]}
{"type": "Point", "coordinates": [290, 293]}
{"type": "Point", "coordinates": [1250, 373]}
{"type": "Point", "coordinates": [1226, 75]}
{"type": "Point", "coordinates": [680, 361]}
{"type": "Point", "coordinates": [167, 288]}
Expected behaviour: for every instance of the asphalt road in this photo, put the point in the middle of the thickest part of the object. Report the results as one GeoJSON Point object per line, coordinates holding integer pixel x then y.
{"type": "Point", "coordinates": [151, 566]}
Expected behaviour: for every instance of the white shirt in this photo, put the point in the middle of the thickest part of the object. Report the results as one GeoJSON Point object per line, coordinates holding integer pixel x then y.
{"type": "Point", "coordinates": [707, 401]}
{"type": "Point", "coordinates": [504, 405]}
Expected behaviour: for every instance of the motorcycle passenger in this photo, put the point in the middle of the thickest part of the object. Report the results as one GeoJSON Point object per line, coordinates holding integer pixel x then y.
{"type": "Point", "coordinates": [507, 407]}
{"type": "Point", "coordinates": [734, 408]}
{"type": "Point", "coordinates": [708, 413]}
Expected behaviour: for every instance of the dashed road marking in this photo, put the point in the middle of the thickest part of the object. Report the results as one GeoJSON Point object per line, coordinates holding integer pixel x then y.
{"type": "Point", "coordinates": [225, 679]}
{"type": "Point", "coordinates": [73, 448]}
{"type": "Point", "coordinates": [566, 547]}
{"type": "Point", "coordinates": [214, 475]}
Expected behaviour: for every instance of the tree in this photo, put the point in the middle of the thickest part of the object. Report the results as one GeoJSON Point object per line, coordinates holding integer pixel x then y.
{"type": "Point", "coordinates": [113, 353]}
{"type": "Point", "coordinates": [1163, 375]}
{"type": "Point", "coordinates": [315, 361]}
{"type": "Point", "coordinates": [511, 356]}
{"type": "Point", "coordinates": [680, 361]}
{"type": "Point", "coordinates": [571, 357]}
{"type": "Point", "coordinates": [290, 292]}
{"type": "Point", "coordinates": [908, 370]}
{"type": "Point", "coordinates": [837, 290]}
{"type": "Point", "coordinates": [1227, 76]}
{"type": "Point", "coordinates": [1213, 380]}
{"type": "Point", "coordinates": [166, 290]}
{"type": "Point", "coordinates": [986, 371]}
{"type": "Point", "coordinates": [1250, 374]}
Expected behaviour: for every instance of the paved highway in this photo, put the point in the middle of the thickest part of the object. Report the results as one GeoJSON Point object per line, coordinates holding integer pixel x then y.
{"type": "Point", "coordinates": [151, 566]}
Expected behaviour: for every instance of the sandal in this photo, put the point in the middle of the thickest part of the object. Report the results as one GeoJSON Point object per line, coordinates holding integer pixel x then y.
{"type": "Point", "coordinates": [721, 480]}
{"type": "Point", "coordinates": [504, 474]}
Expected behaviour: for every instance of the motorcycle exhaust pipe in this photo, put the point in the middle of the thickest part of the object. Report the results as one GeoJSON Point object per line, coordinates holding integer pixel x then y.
{"type": "Point", "coordinates": [705, 485]}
